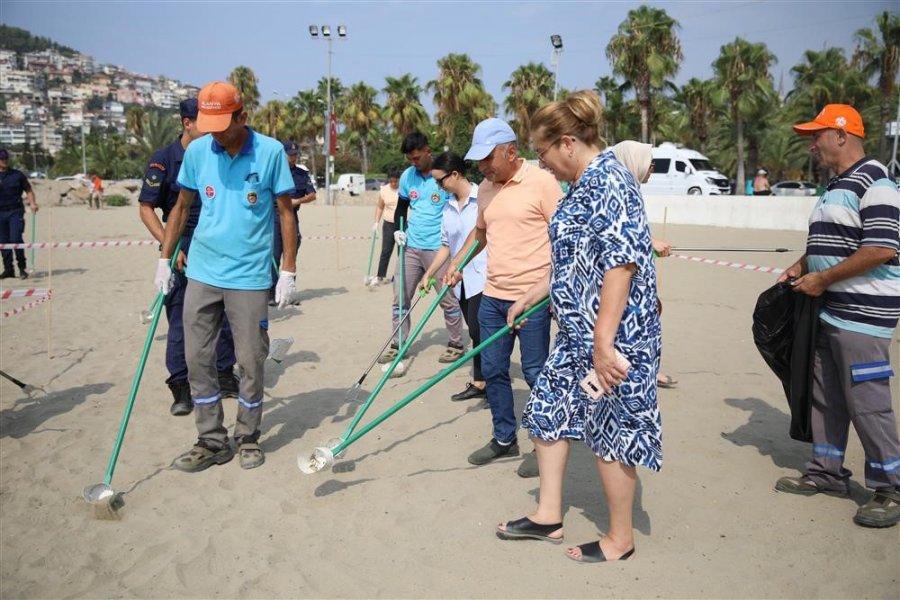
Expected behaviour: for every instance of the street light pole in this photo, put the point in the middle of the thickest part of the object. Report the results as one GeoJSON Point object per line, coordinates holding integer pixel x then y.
{"type": "Point", "coordinates": [556, 42]}
{"type": "Point", "coordinates": [329, 159]}
{"type": "Point", "coordinates": [83, 153]}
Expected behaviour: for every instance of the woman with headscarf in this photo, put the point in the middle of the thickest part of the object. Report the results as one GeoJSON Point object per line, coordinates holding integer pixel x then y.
{"type": "Point", "coordinates": [638, 159]}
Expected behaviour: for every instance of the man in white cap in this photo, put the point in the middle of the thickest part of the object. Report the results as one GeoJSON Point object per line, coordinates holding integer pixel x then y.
{"type": "Point", "coordinates": [515, 204]}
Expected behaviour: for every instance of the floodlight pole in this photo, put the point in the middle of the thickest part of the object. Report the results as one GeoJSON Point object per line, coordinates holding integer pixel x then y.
{"type": "Point", "coordinates": [341, 31]}
{"type": "Point", "coordinates": [894, 166]}
{"type": "Point", "coordinates": [556, 42]}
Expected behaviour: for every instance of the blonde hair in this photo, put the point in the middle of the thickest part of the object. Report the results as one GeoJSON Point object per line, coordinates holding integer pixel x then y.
{"type": "Point", "coordinates": [579, 115]}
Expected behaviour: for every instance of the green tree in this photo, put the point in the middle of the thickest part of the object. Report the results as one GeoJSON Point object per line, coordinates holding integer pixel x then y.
{"type": "Point", "coordinates": [460, 97]}
{"type": "Point", "coordinates": [308, 122]}
{"type": "Point", "coordinates": [530, 87]}
{"type": "Point", "coordinates": [134, 120]}
{"type": "Point", "coordinates": [878, 54]}
{"type": "Point", "coordinates": [699, 99]}
{"type": "Point", "coordinates": [742, 70]}
{"type": "Point", "coordinates": [645, 51]}
{"type": "Point", "coordinates": [403, 108]}
{"type": "Point", "coordinates": [160, 129]}
{"type": "Point", "coordinates": [244, 79]}
{"type": "Point", "coordinates": [359, 113]}
{"type": "Point", "coordinates": [272, 119]}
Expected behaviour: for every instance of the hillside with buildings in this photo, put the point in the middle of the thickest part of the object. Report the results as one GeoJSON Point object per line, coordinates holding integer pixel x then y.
{"type": "Point", "coordinates": [48, 91]}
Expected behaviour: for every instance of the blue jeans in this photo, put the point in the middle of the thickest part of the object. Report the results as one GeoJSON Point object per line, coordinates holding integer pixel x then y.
{"type": "Point", "coordinates": [534, 346]}
{"type": "Point", "coordinates": [12, 226]}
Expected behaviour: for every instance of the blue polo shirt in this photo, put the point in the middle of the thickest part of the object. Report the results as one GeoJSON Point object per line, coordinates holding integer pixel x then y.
{"type": "Point", "coordinates": [13, 184]}
{"type": "Point", "coordinates": [160, 186]}
{"type": "Point", "coordinates": [232, 246]}
{"type": "Point", "coordinates": [426, 207]}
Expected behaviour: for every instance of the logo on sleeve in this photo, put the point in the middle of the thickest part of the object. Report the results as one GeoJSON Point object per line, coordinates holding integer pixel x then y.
{"type": "Point", "coordinates": [210, 192]}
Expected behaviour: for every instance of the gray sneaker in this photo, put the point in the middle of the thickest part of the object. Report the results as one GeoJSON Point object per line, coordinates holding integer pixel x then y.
{"type": "Point", "coordinates": [529, 466]}
{"type": "Point", "coordinates": [883, 510]}
{"type": "Point", "coordinates": [806, 487]}
{"type": "Point", "coordinates": [493, 451]}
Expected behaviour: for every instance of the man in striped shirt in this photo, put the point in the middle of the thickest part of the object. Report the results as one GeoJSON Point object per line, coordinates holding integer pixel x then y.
{"type": "Point", "coordinates": [851, 261]}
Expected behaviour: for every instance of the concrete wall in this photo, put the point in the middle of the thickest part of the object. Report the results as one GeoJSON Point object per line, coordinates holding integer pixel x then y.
{"type": "Point", "coordinates": [743, 212]}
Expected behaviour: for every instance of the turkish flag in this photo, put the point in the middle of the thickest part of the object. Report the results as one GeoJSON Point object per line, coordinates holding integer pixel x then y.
{"type": "Point", "coordinates": [332, 135]}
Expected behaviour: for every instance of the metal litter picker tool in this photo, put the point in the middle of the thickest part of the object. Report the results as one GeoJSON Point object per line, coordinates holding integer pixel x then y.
{"type": "Point", "coordinates": [101, 493]}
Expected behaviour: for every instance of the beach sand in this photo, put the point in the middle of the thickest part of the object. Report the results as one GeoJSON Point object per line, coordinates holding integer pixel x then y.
{"type": "Point", "coordinates": [402, 514]}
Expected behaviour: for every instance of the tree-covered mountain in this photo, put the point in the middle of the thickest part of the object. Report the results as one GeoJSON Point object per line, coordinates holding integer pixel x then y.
{"type": "Point", "coordinates": [19, 40]}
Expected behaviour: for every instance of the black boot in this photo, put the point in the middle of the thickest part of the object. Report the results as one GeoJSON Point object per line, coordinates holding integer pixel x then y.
{"type": "Point", "coordinates": [7, 273]}
{"type": "Point", "coordinates": [181, 392]}
{"type": "Point", "coordinates": [228, 383]}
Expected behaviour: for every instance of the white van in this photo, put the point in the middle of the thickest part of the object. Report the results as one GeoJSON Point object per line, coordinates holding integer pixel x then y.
{"type": "Point", "coordinates": [678, 171]}
{"type": "Point", "coordinates": [354, 183]}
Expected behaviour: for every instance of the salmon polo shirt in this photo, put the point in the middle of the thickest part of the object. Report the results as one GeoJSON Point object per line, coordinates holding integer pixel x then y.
{"type": "Point", "coordinates": [232, 246]}
{"type": "Point", "coordinates": [515, 216]}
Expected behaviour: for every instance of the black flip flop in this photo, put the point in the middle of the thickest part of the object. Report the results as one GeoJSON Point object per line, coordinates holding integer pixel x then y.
{"type": "Point", "coordinates": [526, 529]}
{"type": "Point", "coordinates": [592, 553]}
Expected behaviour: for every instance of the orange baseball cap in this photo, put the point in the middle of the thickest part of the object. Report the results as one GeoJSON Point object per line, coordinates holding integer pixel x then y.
{"type": "Point", "coordinates": [834, 116]}
{"type": "Point", "coordinates": [217, 101]}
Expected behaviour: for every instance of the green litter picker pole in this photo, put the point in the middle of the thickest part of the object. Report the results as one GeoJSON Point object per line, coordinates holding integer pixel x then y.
{"type": "Point", "coordinates": [103, 491]}
{"type": "Point", "coordinates": [322, 457]}
{"type": "Point", "coordinates": [403, 348]}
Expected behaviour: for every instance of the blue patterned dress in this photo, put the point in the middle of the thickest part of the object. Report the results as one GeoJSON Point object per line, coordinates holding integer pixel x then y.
{"type": "Point", "coordinates": [599, 225]}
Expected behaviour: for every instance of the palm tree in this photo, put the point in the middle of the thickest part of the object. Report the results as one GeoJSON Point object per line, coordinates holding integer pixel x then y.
{"type": "Point", "coordinates": [881, 57]}
{"type": "Point", "coordinates": [134, 121]}
{"type": "Point", "coordinates": [826, 78]}
{"type": "Point", "coordinates": [459, 96]}
{"type": "Point", "coordinates": [359, 112]}
{"type": "Point", "coordinates": [160, 128]}
{"type": "Point", "coordinates": [645, 51]}
{"type": "Point", "coordinates": [403, 108]}
{"type": "Point", "coordinates": [742, 70]}
{"type": "Point", "coordinates": [613, 100]}
{"type": "Point", "coordinates": [244, 79]}
{"type": "Point", "coordinates": [308, 124]}
{"type": "Point", "coordinates": [530, 86]}
{"type": "Point", "coordinates": [272, 119]}
{"type": "Point", "coordinates": [699, 99]}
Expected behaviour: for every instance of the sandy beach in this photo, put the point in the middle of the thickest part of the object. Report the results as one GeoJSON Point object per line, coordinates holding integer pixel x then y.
{"type": "Point", "coordinates": [402, 514]}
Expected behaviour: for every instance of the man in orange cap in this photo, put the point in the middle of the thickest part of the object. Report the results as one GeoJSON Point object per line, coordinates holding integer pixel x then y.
{"type": "Point", "coordinates": [241, 177]}
{"type": "Point", "coordinates": [851, 261]}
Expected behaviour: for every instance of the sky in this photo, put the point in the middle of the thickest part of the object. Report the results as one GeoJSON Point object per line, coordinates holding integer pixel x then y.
{"type": "Point", "coordinates": [197, 41]}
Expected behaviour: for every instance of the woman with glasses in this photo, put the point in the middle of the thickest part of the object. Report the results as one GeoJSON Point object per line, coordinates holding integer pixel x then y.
{"type": "Point", "coordinates": [459, 216]}
{"type": "Point", "coordinates": [602, 287]}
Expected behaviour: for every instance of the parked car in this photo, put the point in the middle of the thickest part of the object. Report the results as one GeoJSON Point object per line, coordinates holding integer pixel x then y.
{"type": "Point", "coordinates": [794, 188]}
{"type": "Point", "coordinates": [37, 175]}
{"type": "Point", "coordinates": [353, 183]}
{"type": "Point", "coordinates": [375, 184]}
{"type": "Point", "coordinates": [679, 171]}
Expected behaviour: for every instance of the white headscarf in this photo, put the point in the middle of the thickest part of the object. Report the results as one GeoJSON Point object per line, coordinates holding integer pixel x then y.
{"type": "Point", "coordinates": [635, 156]}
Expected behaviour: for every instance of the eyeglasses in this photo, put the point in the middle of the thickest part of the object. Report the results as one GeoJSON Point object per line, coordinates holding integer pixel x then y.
{"type": "Point", "coordinates": [541, 153]}
{"type": "Point", "coordinates": [440, 181]}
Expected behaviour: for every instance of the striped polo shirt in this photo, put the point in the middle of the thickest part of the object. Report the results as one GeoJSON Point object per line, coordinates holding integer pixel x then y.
{"type": "Point", "coordinates": [860, 207]}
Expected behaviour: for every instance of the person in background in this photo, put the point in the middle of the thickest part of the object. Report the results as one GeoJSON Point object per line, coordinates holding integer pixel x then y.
{"type": "Point", "coordinates": [96, 192]}
{"type": "Point", "coordinates": [460, 215]}
{"type": "Point", "coordinates": [638, 159]}
{"type": "Point", "coordinates": [602, 288]}
{"type": "Point", "coordinates": [761, 184]}
{"type": "Point", "coordinates": [852, 262]}
{"type": "Point", "coordinates": [304, 193]}
{"type": "Point", "coordinates": [159, 190]}
{"type": "Point", "coordinates": [13, 184]}
{"type": "Point", "coordinates": [384, 208]}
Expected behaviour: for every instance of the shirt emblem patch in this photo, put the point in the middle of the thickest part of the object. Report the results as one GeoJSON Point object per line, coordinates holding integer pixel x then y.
{"type": "Point", "coordinates": [414, 195]}
{"type": "Point", "coordinates": [210, 191]}
{"type": "Point", "coordinates": [435, 197]}
{"type": "Point", "coordinates": [251, 198]}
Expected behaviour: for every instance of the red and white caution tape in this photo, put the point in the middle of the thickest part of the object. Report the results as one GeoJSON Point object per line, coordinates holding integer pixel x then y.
{"type": "Point", "coordinates": [733, 265]}
{"type": "Point", "coordinates": [26, 293]}
{"type": "Point", "coordinates": [21, 309]}
{"type": "Point", "coordinates": [125, 243]}
{"type": "Point", "coordinates": [95, 244]}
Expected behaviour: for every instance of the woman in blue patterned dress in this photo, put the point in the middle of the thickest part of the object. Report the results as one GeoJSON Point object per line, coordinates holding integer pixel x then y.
{"type": "Point", "coordinates": [602, 287]}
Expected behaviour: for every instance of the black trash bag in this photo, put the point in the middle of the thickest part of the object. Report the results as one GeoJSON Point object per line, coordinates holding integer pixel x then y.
{"type": "Point", "coordinates": [785, 325]}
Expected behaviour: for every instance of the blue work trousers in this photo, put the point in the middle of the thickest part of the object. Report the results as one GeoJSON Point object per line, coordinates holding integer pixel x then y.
{"type": "Point", "coordinates": [12, 226]}
{"type": "Point", "coordinates": [534, 346]}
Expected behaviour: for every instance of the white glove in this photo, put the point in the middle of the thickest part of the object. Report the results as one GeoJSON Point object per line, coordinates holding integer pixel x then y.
{"type": "Point", "coordinates": [284, 289]}
{"type": "Point", "coordinates": [400, 238]}
{"type": "Point", "coordinates": [375, 226]}
{"type": "Point", "coordinates": [163, 279]}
